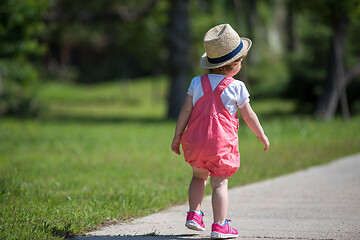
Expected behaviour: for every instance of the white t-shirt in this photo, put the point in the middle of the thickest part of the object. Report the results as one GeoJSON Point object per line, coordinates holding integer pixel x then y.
{"type": "Point", "coordinates": [233, 97]}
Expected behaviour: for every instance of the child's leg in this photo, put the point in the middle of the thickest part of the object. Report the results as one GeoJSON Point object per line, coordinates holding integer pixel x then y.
{"type": "Point", "coordinates": [197, 188]}
{"type": "Point", "coordinates": [219, 198]}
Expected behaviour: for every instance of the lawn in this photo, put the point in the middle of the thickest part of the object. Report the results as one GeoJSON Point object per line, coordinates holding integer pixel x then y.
{"type": "Point", "coordinates": [101, 154]}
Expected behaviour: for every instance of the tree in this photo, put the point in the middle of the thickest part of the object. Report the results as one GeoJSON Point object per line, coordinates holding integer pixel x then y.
{"type": "Point", "coordinates": [335, 88]}
{"type": "Point", "coordinates": [337, 15]}
{"type": "Point", "coordinates": [104, 40]}
{"type": "Point", "coordinates": [251, 20]}
{"type": "Point", "coordinates": [179, 62]}
{"type": "Point", "coordinates": [20, 24]}
{"type": "Point", "coordinates": [318, 65]}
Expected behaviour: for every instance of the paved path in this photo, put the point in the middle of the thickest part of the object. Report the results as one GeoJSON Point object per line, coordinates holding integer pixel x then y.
{"type": "Point", "coordinates": [322, 202]}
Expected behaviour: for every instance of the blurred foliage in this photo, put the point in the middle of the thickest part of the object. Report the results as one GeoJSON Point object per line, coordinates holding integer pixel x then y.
{"type": "Point", "coordinates": [20, 23]}
{"type": "Point", "coordinates": [309, 64]}
{"type": "Point", "coordinates": [106, 40]}
{"type": "Point", "coordinates": [89, 41]}
{"type": "Point", "coordinates": [20, 81]}
{"type": "Point", "coordinates": [308, 70]}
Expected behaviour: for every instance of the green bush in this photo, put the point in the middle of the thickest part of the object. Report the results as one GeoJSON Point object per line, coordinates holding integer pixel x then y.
{"type": "Point", "coordinates": [20, 81]}
{"type": "Point", "coordinates": [20, 24]}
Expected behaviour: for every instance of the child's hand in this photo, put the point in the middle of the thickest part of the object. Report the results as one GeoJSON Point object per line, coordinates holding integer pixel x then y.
{"type": "Point", "coordinates": [265, 141]}
{"type": "Point", "coordinates": [175, 145]}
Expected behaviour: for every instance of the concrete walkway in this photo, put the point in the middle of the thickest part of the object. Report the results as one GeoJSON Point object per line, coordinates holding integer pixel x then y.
{"type": "Point", "coordinates": [322, 202]}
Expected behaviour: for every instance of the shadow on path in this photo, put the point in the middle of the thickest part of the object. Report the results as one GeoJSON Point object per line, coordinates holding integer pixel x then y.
{"type": "Point", "coordinates": [143, 237]}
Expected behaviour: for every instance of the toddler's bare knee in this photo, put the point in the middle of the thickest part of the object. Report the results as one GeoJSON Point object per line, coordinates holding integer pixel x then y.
{"type": "Point", "coordinates": [217, 182]}
{"type": "Point", "coordinates": [202, 177]}
{"type": "Point", "coordinates": [201, 174]}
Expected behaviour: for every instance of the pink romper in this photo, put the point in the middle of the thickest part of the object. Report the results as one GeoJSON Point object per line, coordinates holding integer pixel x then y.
{"type": "Point", "coordinates": [211, 140]}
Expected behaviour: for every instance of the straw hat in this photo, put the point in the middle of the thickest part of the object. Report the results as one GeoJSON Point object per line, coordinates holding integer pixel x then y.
{"type": "Point", "coordinates": [222, 46]}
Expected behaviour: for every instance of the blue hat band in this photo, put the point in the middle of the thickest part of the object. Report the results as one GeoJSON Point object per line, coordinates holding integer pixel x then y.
{"type": "Point", "coordinates": [227, 56]}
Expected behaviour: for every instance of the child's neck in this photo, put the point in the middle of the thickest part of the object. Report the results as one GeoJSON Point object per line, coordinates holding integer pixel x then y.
{"type": "Point", "coordinates": [218, 73]}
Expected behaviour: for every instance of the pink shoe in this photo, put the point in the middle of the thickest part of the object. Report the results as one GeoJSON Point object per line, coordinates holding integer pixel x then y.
{"type": "Point", "coordinates": [195, 221]}
{"type": "Point", "coordinates": [223, 231]}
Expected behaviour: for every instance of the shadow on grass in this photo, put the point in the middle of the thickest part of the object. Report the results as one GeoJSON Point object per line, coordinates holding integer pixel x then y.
{"type": "Point", "coordinates": [116, 119]}
{"type": "Point", "coordinates": [275, 114]}
{"type": "Point", "coordinates": [144, 237]}
{"type": "Point", "coordinates": [61, 233]}
{"type": "Point", "coordinates": [85, 119]}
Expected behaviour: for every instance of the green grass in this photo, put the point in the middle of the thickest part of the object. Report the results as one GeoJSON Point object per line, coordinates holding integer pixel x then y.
{"type": "Point", "coordinates": [144, 98]}
{"type": "Point", "coordinates": [101, 154]}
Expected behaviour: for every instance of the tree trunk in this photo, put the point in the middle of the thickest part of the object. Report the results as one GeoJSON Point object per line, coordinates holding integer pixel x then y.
{"type": "Point", "coordinates": [335, 88]}
{"type": "Point", "coordinates": [341, 86]}
{"type": "Point", "coordinates": [290, 27]}
{"type": "Point", "coordinates": [179, 46]}
{"type": "Point", "coordinates": [276, 27]}
{"type": "Point", "coordinates": [251, 22]}
{"type": "Point", "coordinates": [239, 10]}
{"type": "Point", "coordinates": [1, 83]}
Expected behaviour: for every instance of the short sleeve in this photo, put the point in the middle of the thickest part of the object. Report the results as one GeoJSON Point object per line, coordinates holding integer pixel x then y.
{"type": "Point", "coordinates": [191, 88]}
{"type": "Point", "coordinates": [243, 95]}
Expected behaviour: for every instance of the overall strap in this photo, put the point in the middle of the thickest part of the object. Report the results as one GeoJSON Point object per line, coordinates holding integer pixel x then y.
{"type": "Point", "coordinates": [218, 91]}
{"type": "Point", "coordinates": [223, 84]}
{"type": "Point", "coordinates": [205, 83]}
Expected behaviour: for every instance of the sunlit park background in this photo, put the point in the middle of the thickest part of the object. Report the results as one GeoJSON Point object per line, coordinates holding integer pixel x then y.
{"type": "Point", "coordinates": [90, 91]}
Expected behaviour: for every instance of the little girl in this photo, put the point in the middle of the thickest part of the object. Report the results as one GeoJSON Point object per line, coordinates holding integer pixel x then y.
{"type": "Point", "coordinates": [210, 112]}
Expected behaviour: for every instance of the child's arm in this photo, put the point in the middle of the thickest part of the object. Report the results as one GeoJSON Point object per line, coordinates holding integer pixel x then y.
{"type": "Point", "coordinates": [182, 121]}
{"type": "Point", "coordinates": [252, 121]}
